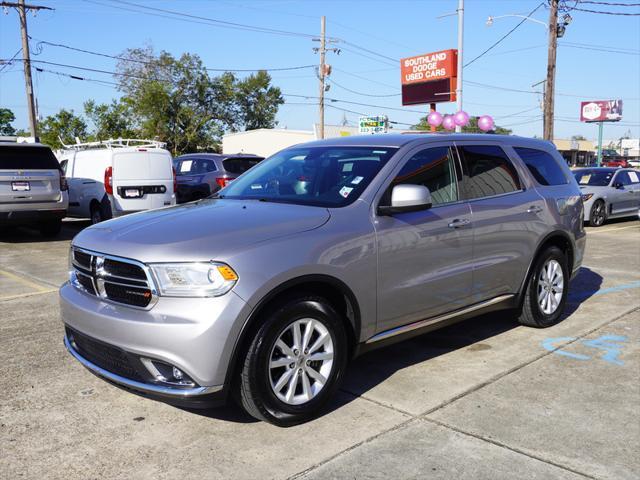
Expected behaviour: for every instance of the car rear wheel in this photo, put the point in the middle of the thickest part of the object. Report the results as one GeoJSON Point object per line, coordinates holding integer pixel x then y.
{"type": "Point", "coordinates": [598, 214]}
{"type": "Point", "coordinates": [547, 290]}
{"type": "Point", "coordinates": [294, 363]}
{"type": "Point", "coordinates": [96, 214]}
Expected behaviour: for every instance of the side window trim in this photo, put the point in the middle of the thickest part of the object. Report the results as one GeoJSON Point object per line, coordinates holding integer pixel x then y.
{"type": "Point", "coordinates": [384, 186]}
{"type": "Point", "coordinates": [465, 173]}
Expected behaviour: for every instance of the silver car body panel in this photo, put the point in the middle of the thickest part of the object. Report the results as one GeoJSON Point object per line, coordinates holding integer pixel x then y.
{"type": "Point", "coordinates": [399, 271]}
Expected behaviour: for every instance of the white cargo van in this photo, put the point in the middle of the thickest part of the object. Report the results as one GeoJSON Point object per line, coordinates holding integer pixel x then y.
{"type": "Point", "coordinates": [116, 177]}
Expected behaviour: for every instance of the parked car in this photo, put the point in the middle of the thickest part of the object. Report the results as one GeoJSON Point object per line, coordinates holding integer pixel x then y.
{"type": "Point", "coordinates": [201, 174]}
{"type": "Point", "coordinates": [616, 162]}
{"type": "Point", "coordinates": [321, 252]}
{"type": "Point", "coordinates": [113, 178]}
{"type": "Point", "coordinates": [608, 193]}
{"type": "Point", "coordinates": [33, 189]}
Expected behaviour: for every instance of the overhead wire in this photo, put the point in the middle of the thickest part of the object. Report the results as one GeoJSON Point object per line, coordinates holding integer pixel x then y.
{"type": "Point", "coordinates": [8, 62]}
{"type": "Point", "coordinates": [495, 44]}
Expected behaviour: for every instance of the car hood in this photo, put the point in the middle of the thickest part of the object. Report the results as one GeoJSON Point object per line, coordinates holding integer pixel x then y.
{"type": "Point", "coordinates": [201, 231]}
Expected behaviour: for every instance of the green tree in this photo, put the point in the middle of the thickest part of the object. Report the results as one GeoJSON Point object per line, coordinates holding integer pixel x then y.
{"type": "Point", "coordinates": [114, 120]}
{"type": "Point", "coordinates": [176, 100]}
{"type": "Point", "coordinates": [472, 127]}
{"type": "Point", "coordinates": [258, 101]}
{"type": "Point", "coordinates": [6, 118]}
{"type": "Point", "coordinates": [64, 125]}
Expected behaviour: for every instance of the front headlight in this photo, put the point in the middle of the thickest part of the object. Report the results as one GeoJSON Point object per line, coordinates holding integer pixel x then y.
{"type": "Point", "coordinates": [586, 196]}
{"type": "Point", "coordinates": [194, 279]}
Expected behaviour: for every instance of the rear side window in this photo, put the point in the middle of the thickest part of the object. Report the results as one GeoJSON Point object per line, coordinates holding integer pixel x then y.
{"type": "Point", "coordinates": [14, 157]}
{"type": "Point", "coordinates": [542, 166]}
{"type": "Point", "coordinates": [626, 178]}
{"type": "Point", "coordinates": [489, 171]}
{"type": "Point", "coordinates": [240, 165]}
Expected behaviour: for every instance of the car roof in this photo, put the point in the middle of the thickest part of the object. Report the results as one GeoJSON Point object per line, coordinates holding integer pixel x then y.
{"type": "Point", "coordinates": [601, 169]}
{"type": "Point", "coordinates": [401, 139]}
{"type": "Point", "coordinates": [22, 144]}
{"type": "Point", "coordinates": [218, 156]}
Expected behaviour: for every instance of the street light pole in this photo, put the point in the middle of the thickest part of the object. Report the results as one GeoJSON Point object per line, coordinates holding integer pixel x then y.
{"type": "Point", "coordinates": [551, 71]}
{"type": "Point", "coordinates": [460, 12]}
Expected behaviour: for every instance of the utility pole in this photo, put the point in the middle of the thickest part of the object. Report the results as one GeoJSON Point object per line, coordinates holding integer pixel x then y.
{"type": "Point", "coordinates": [460, 12]}
{"type": "Point", "coordinates": [551, 71]}
{"type": "Point", "coordinates": [321, 71]}
{"type": "Point", "coordinates": [26, 58]}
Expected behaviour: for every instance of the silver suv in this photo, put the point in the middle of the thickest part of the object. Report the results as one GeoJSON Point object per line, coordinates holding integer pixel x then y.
{"type": "Point", "coordinates": [33, 188]}
{"type": "Point", "coordinates": [319, 253]}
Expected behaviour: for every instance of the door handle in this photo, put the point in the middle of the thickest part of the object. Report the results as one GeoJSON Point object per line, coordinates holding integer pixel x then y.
{"type": "Point", "coordinates": [534, 209]}
{"type": "Point", "coordinates": [459, 222]}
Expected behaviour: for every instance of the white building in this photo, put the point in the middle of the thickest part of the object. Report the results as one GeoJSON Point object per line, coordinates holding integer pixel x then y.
{"type": "Point", "coordinates": [267, 141]}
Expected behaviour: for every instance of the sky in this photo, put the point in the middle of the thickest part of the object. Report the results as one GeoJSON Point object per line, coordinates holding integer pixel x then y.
{"type": "Point", "coordinates": [598, 57]}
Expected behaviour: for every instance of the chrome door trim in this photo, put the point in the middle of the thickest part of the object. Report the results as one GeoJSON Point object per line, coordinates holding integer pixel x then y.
{"type": "Point", "coordinates": [430, 321]}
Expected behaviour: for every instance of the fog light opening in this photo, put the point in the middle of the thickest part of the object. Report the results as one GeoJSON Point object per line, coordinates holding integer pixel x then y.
{"type": "Point", "coordinates": [167, 374]}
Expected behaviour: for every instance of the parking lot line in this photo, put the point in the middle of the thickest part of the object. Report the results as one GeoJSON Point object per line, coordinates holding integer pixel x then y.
{"type": "Point", "coordinates": [28, 294]}
{"type": "Point", "coordinates": [24, 281]}
{"type": "Point", "coordinates": [591, 232]}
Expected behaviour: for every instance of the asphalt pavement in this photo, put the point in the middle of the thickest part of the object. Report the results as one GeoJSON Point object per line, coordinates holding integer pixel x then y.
{"type": "Point", "coordinates": [485, 398]}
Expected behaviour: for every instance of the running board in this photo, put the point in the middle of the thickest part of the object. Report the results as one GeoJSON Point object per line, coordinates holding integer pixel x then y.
{"type": "Point", "coordinates": [442, 318]}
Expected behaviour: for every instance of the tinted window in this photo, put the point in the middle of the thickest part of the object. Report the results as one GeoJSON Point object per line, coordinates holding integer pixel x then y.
{"type": "Point", "coordinates": [27, 158]}
{"type": "Point", "coordinates": [623, 178]}
{"type": "Point", "coordinates": [634, 176]}
{"type": "Point", "coordinates": [240, 165]}
{"type": "Point", "coordinates": [319, 176]}
{"type": "Point", "coordinates": [542, 166]}
{"type": "Point", "coordinates": [489, 171]}
{"type": "Point", "coordinates": [594, 178]}
{"type": "Point", "coordinates": [194, 166]}
{"type": "Point", "coordinates": [433, 168]}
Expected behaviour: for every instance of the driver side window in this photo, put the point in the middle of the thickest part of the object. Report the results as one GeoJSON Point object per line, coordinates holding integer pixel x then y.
{"type": "Point", "coordinates": [435, 169]}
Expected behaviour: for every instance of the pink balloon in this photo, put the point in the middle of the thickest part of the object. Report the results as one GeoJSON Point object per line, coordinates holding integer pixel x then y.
{"type": "Point", "coordinates": [434, 119]}
{"type": "Point", "coordinates": [485, 123]}
{"type": "Point", "coordinates": [448, 123]}
{"type": "Point", "coordinates": [461, 118]}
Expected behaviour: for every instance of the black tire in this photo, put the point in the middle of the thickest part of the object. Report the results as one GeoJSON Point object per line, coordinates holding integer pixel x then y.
{"type": "Point", "coordinates": [532, 314]}
{"type": "Point", "coordinates": [598, 214]}
{"type": "Point", "coordinates": [96, 213]}
{"type": "Point", "coordinates": [253, 389]}
{"type": "Point", "coordinates": [51, 228]}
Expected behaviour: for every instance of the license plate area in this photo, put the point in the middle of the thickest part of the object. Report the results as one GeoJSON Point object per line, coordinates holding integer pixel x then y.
{"type": "Point", "coordinates": [20, 186]}
{"type": "Point", "coordinates": [139, 192]}
{"type": "Point", "coordinates": [132, 193]}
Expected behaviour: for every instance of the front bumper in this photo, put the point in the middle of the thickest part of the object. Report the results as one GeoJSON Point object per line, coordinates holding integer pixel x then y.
{"type": "Point", "coordinates": [196, 335]}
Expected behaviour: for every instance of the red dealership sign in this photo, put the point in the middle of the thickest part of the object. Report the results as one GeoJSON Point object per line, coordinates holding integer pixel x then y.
{"type": "Point", "coordinates": [601, 111]}
{"type": "Point", "coordinates": [429, 78]}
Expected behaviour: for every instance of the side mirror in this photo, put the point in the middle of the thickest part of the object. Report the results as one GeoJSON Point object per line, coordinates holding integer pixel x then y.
{"type": "Point", "coordinates": [407, 198]}
{"type": "Point", "coordinates": [618, 185]}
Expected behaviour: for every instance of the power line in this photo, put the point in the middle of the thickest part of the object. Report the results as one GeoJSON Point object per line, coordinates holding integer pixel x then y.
{"type": "Point", "coordinates": [624, 14]}
{"type": "Point", "coordinates": [212, 21]}
{"type": "Point", "coordinates": [504, 36]}
{"type": "Point", "coordinates": [332, 81]}
{"type": "Point", "coordinates": [8, 62]}
{"type": "Point", "coordinates": [144, 62]}
{"type": "Point", "coordinates": [612, 4]}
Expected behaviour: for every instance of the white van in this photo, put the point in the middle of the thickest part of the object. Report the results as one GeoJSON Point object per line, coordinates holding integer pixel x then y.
{"type": "Point", "coordinates": [116, 177]}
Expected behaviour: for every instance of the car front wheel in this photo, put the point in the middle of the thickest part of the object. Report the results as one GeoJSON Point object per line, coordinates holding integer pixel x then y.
{"type": "Point", "coordinates": [598, 214]}
{"type": "Point", "coordinates": [294, 363]}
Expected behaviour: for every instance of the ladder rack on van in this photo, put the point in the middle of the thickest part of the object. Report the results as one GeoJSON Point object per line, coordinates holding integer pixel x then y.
{"type": "Point", "coordinates": [115, 143]}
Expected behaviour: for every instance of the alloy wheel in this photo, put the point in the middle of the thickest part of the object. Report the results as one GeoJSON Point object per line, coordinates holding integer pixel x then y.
{"type": "Point", "coordinates": [598, 213]}
{"type": "Point", "coordinates": [301, 361]}
{"type": "Point", "coordinates": [550, 286]}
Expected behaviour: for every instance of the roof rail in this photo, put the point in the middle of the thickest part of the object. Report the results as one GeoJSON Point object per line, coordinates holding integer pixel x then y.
{"type": "Point", "coordinates": [115, 143]}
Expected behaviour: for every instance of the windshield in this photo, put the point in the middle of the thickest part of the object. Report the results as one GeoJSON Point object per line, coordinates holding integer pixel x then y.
{"type": "Point", "coordinates": [193, 166]}
{"type": "Point", "coordinates": [319, 176]}
{"type": "Point", "coordinates": [593, 178]}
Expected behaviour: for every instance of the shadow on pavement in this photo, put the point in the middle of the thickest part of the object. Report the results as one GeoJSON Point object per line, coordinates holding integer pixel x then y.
{"type": "Point", "coordinates": [70, 228]}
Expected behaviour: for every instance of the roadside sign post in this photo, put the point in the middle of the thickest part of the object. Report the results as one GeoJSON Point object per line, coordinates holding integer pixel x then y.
{"type": "Point", "coordinates": [600, 111]}
{"type": "Point", "coordinates": [599, 160]}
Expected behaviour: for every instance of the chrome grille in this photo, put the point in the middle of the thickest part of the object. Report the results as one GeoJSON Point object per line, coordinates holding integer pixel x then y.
{"type": "Point", "coordinates": [113, 279]}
